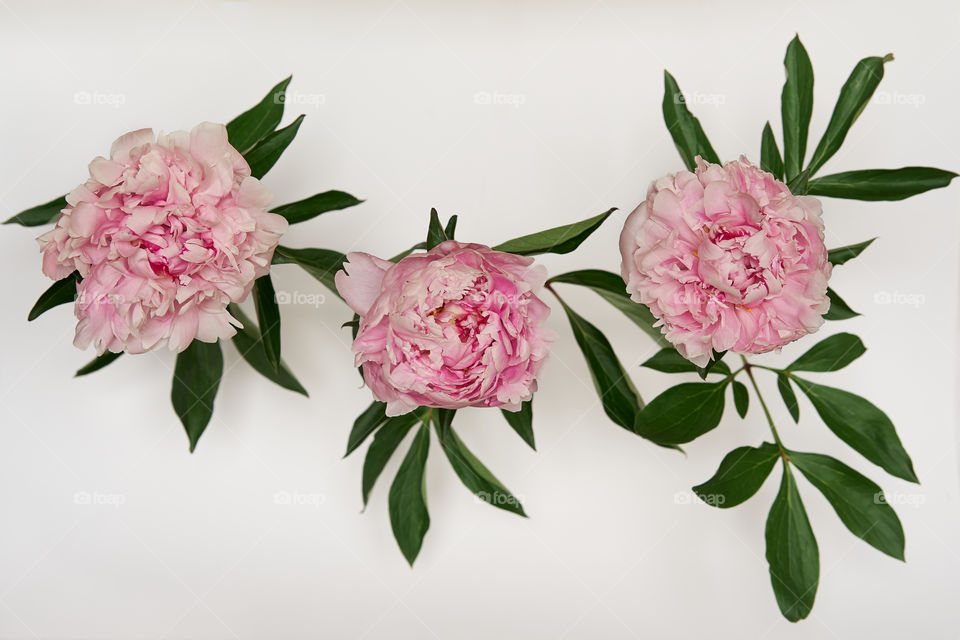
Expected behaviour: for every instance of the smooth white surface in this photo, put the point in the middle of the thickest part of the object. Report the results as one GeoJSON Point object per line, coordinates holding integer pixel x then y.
{"type": "Point", "coordinates": [198, 546]}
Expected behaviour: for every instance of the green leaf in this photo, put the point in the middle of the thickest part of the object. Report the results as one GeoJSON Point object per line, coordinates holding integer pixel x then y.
{"type": "Point", "coordinates": [268, 317]}
{"type": "Point", "coordinates": [741, 398]}
{"type": "Point", "coordinates": [861, 425]}
{"type": "Point", "coordinates": [740, 475]}
{"type": "Point", "coordinates": [97, 363]}
{"type": "Point", "coordinates": [522, 422]}
{"type": "Point", "coordinates": [611, 288]}
{"type": "Point", "coordinates": [669, 360]}
{"type": "Point", "coordinates": [408, 498]}
{"type": "Point", "coordinates": [831, 354]}
{"type": "Point", "coordinates": [252, 125]}
{"type": "Point", "coordinates": [854, 96]}
{"type": "Point", "coordinates": [770, 154]}
{"type": "Point", "coordinates": [684, 128]}
{"type": "Point", "coordinates": [796, 106]}
{"type": "Point", "coordinates": [308, 208]}
{"type": "Point", "coordinates": [60, 292]}
{"type": "Point", "coordinates": [248, 342]}
{"type": "Point", "coordinates": [46, 213]}
{"type": "Point", "coordinates": [682, 413]}
{"type": "Point", "coordinates": [474, 475]}
{"type": "Point", "coordinates": [789, 397]}
{"type": "Point", "coordinates": [196, 379]}
{"type": "Point", "coordinates": [714, 363]}
{"type": "Point", "coordinates": [842, 255]}
{"type": "Point", "coordinates": [792, 552]}
{"type": "Point", "coordinates": [619, 398]}
{"type": "Point", "coordinates": [858, 501]}
{"type": "Point", "coordinates": [365, 424]}
{"type": "Point", "coordinates": [435, 232]}
{"type": "Point", "coordinates": [265, 154]}
{"type": "Point", "coordinates": [881, 184]}
{"type": "Point", "coordinates": [799, 184]}
{"type": "Point", "coordinates": [322, 264]}
{"type": "Point", "coordinates": [451, 227]}
{"type": "Point", "coordinates": [562, 239]}
{"type": "Point", "coordinates": [839, 310]}
{"type": "Point", "coordinates": [416, 247]}
{"type": "Point", "coordinates": [385, 442]}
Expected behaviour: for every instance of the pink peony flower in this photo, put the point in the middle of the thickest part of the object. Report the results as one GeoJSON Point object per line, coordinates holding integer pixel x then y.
{"type": "Point", "coordinates": [458, 326]}
{"type": "Point", "coordinates": [166, 233]}
{"type": "Point", "coordinates": [727, 259]}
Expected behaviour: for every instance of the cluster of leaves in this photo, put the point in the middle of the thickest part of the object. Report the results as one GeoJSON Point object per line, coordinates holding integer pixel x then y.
{"type": "Point", "coordinates": [199, 368]}
{"type": "Point", "coordinates": [407, 499]}
{"type": "Point", "coordinates": [687, 411]}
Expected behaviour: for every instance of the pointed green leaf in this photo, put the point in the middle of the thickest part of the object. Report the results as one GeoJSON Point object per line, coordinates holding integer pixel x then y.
{"type": "Point", "coordinates": [46, 213]}
{"type": "Point", "coordinates": [365, 424]}
{"type": "Point", "coordinates": [714, 363]}
{"type": "Point", "coordinates": [322, 264]}
{"type": "Point", "coordinates": [268, 317]}
{"type": "Point", "coordinates": [842, 255]}
{"type": "Point", "coordinates": [60, 292]}
{"type": "Point", "coordinates": [830, 354]}
{"type": "Point", "coordinates": [741, 398]}
{"type": "Point", "coordinates": [682, 413]}
{"type": "Point", "coordinates": [252, 125]}
{"type": "Point", "coordinates": [308, 208]}
{"type": "Point", "coordinates": [854, 96]}
{"type": "Point", "coordinates": [881, 184]}
{"type": "Point", "coordinates": [796, 106]}
{"type": "Point", "coordinates": [522, 422]}
{"type": "Point", "coordinates": [408, 498]}
{"type": "Point", "coordinates": [861, 425]}
{"type": "Point", "coordinates": [385, 442]}
{"type": "Point", "coordinates": [435, 231]}
{"type": "Point", "coordinates": [858, 501]}
{"type": "Point", "coordinates": [451, 227]}
{"type": "Point", "coordinates": [475, 476]}
{"type": "Point", "coordinates": [248, 342]}
{"type": "Point", "coordinates": [265, 154]}
{"type": "Point", "coordinates": [839, 309]}
{"type": "Point", "coordinates": [799, 184]}
{"type": "Point", "coordinates": [196, 379]}
{"type": "Point", "coordinates": [684, 127]}
{"type": "Point", "coordinates": [741, 474]}
{"type": "Point", "coordinates": [669, 360]}
{"type": "Point", "coordinates": [770, 154]}
{"type": "Point", "coordinates": [563, 239]}
{"type": "Point", "coordinates": [792, 552]}
{"type": "Point", "coordinates": [97, 363]}
{"type": "Point", "coordinates": [789, 397]}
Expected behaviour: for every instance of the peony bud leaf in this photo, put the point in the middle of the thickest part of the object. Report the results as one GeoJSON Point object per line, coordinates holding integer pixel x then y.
{"type": "Point", "coordinates": [385, 442]}
{"type": "Point", "coordinates": [789, 397]}
{"type": "Point", "coordinates": [42, 214]}
{"type": "Point", "coordinates": [740, 475]}
{"type": "Point", "coordinates": [408, 497]}
{"type": "Point", "coordinates": [792, 551]}
{"type": "Point", "coordinates": [769, 153]}
{"type": "Point", "coordinates": [842, 255]}
{"type": "Point", "coordinates": [861, 425]}
{"type": "Point", "coordinates": [252, 125]}
{"type": "Point", "coordinates": [741, 398]}
{"type": "Point", "coordinates": [522, 422]}
{"type": "Point", "coordinates": [268, 317]}
{"type": "Point", "coordinates": [60, 292]}
{"type": "Point", "coordinates": [265, 154]}
{"type": "Point", "coordinates": [668, 360]}
{"type": "Point", "coordinates": [839, 310]}
{"type": "Point", "coordinates": [196, 379]}
{"type": "Point", "coordinates": [831, 354]}
{"type": "Point", "coordinates": [881, 184]}
{"type": "Point", "coordinates": [557, 240]}
{"type": "Point", "coordinates": [311, 207]}
{"type": "Point", "coordinates": [611, 288]}
{"type": "Point", "coordinates": [682, 413]}
{"type": "Point", "coordinates": [322, 264]}
{"type": "Point", "coordinates": [435, 231]}
{"type": "Point", "coordinates": [858, 501]}
{"type": "Point", "coordinates": [365, 424]}
{"type": "Point", "coordinates": [248, 342]}
{"type": "Point", "coordinates": [796, 107]}
{"type": "Point", "coordinates": [474, 475]}
{"type": "Point", "coordinates": [684, 128]}
{"type": "Point", "coordinates": [97, 363]}
{"type": "Point", "coordinates": [854, 96]}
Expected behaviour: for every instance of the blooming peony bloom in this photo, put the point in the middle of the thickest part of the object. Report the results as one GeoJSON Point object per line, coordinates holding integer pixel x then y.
{"type": "Point", "coordinates": [727, 259]}
{"type": "Point", "coordinates": [166, 233]}
{"type": "Point", "coordinates": [458, 326]}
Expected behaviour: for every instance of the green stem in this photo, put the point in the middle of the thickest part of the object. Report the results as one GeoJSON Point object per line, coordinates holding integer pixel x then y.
{"type": "Point", "coordinates": [766, 410]}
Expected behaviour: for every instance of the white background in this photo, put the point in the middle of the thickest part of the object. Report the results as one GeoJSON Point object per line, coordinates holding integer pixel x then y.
{"type": "Point", "coordinates": [614, 547]}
